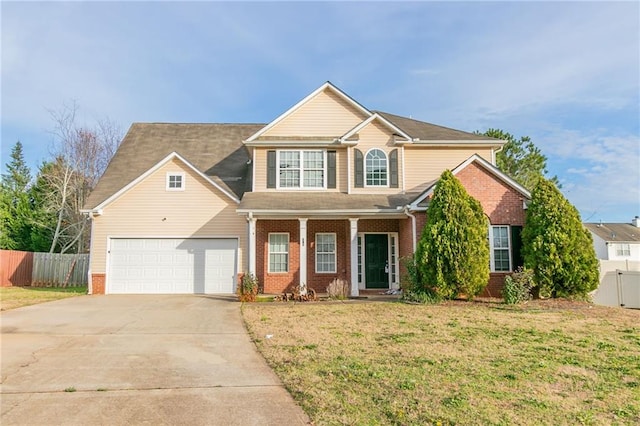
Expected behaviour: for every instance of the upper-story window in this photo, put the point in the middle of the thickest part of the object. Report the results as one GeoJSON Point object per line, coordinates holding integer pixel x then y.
{"type": "Point", "coordinates": [301, 169]}
{"type": "Point", "coordinates": [623, 250]}
{"type": "Point", "coordinates": [376, 168]}
{"type": "Point", "coordinates": [175, 181]}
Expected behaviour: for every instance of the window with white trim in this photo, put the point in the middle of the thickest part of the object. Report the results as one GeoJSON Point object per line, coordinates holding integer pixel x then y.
{"type": "Point", "coordinates": [393, 258]}
{"type": "Point", "coordinates": [360, 258]}
{"type": "Point", "coordinates": [623, 250]}
{"type": "Point", "coordinates": [175, 181]}
{"type": "Point", "coordinates": [325, 253]}
{"type": "Point", "coordinates": [301, 169]}
{"type": "Point", "coordinates": [500, 248]}
{"type": "Point", "coordinates": [376, 168]}
{"type": "Point", "coordinates": [279, 252]}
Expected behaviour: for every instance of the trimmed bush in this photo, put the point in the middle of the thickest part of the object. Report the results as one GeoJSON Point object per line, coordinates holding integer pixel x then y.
{"type": "Point", "coordinates": [453, 253]}
{"type": "Point", "coordinates": [557, 247]}
{"type": "Point", "coordinates": [518, 286]}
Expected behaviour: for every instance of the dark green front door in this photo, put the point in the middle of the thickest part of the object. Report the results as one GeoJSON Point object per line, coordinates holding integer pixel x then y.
{"type": "Point", "coordinates": [376, 256]}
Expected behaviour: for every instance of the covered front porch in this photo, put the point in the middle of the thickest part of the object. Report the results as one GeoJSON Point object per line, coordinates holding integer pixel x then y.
{"type": "Point", "coordinates": [285, 253]}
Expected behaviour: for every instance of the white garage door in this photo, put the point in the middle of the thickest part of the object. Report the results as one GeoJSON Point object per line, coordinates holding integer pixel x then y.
{"type": "Point", "coordinates": [172, 265]}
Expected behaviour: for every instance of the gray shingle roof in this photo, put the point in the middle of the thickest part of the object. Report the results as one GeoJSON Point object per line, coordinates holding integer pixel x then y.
{"type": "Point", "coordinates": [214, 149]}
{"type": "Point", "coordinates": [329, 201]}
{"type": "Point", "coordinates": [427, 131]}
{"type": "Point", "coordinates": [615, 232]}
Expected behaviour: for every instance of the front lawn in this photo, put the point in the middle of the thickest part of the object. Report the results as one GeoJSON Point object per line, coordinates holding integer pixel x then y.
{"type": "Point", "coordinates": [454, 363]}
{"type": "Point", "coordinates": [16, 297]}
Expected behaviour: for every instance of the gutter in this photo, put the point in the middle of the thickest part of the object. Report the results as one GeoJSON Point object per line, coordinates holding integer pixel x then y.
{"type": "Point", "coordinates": [393, 212]}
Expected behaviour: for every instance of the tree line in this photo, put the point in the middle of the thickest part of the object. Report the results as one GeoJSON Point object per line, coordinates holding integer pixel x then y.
{"type": "Point", "coordinates": [42, 213]}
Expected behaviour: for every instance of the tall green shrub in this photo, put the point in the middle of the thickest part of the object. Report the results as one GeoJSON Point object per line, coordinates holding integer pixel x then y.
{"type": "Point", "coordinates": [556, 245]}
{"type": "Point", "coordinates": [453, 253]}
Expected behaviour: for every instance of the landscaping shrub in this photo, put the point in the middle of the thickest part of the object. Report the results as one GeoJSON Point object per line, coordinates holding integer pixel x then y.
{"type": "Point", "coordinates": [557, 247]}
{"type": "Point", "coordinates": [453, 255]}
{"type": "Point", "coordinates": [518, 286]}
{"type": "Point", "coordinates": [338, 289]}
{"type": "Point", "coordinates": [411, 289]}
{"type": "Point", "coordinates": [248, 288]}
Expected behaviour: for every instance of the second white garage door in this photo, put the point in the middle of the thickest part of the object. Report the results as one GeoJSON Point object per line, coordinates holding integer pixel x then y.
{"type": "Point", "coordinates": [172, 265]}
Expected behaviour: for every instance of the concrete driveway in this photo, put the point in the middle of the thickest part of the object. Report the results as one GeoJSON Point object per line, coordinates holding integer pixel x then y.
{"type": "Point", "coordinates": [118, 360]}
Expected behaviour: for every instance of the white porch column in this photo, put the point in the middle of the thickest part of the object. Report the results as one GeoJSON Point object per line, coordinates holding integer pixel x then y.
{"type": "Point", "coordinates": [252, 244]}
{"type": "Point", "coordinates": [354, 257]}
{"type": "Point", "coordinates": [303, 252]}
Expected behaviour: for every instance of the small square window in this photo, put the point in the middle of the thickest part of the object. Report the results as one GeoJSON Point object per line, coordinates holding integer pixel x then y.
{"type": "Point", "coordinates": [175, 181]}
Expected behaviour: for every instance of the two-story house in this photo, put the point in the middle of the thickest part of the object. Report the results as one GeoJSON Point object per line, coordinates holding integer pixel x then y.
{"type": "Point", "coordinates": [616, 241]}
{"type": "Point", "coordinates": [329, 189]}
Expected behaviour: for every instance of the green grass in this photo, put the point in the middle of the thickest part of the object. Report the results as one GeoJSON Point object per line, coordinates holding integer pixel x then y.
{"type": "Point", "coordinates": [454, 363]}
{"type": "Point", "coordinates": [16, 297]}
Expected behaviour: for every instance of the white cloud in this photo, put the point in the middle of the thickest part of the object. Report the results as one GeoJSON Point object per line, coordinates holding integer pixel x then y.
{"type": "Point", "coordinates": [609, 183]}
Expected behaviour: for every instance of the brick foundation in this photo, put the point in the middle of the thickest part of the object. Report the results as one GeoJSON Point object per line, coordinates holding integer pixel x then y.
{"type": "Point", "coordinates": [496, 284]}
{"type": "Point", "coordinates": [98, 283]}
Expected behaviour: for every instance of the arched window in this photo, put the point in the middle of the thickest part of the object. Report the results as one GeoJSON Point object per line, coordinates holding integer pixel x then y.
{"type": "Point", "coordinates": [376, 168]}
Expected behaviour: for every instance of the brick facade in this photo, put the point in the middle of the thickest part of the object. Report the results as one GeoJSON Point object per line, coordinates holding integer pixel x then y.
{"type": "Point", "coordinates": [98, 283]}
{"type": "Point", "coordinates": [277, 282]}
{"type": "Point", "coordinates": [341, 228]}
{"type": "Point", "coordinates": [502, 204]}
{"type": "Point", "coordinates": [281, 282]}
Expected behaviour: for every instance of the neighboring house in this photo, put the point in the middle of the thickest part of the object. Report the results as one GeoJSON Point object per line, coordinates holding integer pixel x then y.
{"type": "Point", "coordinates": [329, 189]}
{"type": "Point", "coordinates": [616, 241]}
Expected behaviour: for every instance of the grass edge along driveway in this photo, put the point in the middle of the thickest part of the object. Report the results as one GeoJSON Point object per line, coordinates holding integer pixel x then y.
{"type": "Point", "coordinates": [16, 297]}
{"type": "Point", "coordinates": [456, 362]}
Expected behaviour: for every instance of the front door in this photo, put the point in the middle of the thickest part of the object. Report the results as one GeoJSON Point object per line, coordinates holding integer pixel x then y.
{"type": "Point", "coordinates": [376, 257]}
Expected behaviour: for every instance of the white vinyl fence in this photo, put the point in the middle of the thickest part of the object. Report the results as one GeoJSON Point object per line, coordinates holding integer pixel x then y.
{"type": "Point", "coordinates": [60, 270]}
{"type": "Point", "coordinates": [619, 284]}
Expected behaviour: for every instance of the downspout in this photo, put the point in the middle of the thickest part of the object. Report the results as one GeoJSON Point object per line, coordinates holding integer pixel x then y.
{"type": "Point", "coordinates": [413, 226]}
{"type": "Point", "coordinates": [494, 159]}
{"type": "Point", "coordinates": [89, 278]}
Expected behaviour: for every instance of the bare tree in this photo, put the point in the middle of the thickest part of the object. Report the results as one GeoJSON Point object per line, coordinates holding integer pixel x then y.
{"type": "Point", "coordinates": [81, 154]}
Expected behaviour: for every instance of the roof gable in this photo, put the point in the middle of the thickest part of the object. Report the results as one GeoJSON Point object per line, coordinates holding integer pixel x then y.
{"type": "Point", "coordinates": [393, 129]}
{"type": "Point", "coordinates": [327, 112]}
{"type": "Point", "coordinates": [474, 159]}
{"type": "Point", "coordinates": [215, 150]}
{"type": "Point", "coordinates": [156, 167]}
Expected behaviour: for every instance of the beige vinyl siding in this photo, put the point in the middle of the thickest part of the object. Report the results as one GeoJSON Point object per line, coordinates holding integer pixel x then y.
{"type": "Point", "coordinates": [376, 135]}
{"type": "Point", "coordinates": [260, 172]}
{"type": "Point", "coordinates": [148, 210]}
{"type": "Point", "coordinates": [423, 165]}
{"type": "Point", "coordinates": [326, 114]}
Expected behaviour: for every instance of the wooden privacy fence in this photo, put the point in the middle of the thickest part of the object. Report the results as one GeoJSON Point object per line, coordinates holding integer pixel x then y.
{"type": "Point", "coordinates": [19, 268]}
{"type": "Point", "coordinates": [15, 268]}
{"type": "Point", "coordinates": [59, 270]}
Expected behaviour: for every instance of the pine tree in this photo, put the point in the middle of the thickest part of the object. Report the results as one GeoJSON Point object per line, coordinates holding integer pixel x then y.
{"type": "Point", "coordinates": [15, 203]}
{"type": "Point", "coordinates": [453, 252]}
{"type": "Point", "coordinates": [556, 246]}
{"type": "Point", "coordinates": [521, 159]}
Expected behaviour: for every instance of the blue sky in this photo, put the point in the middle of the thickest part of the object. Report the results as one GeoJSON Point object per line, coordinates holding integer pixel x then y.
{"type": "Point", "coordinates": [566, 74]}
